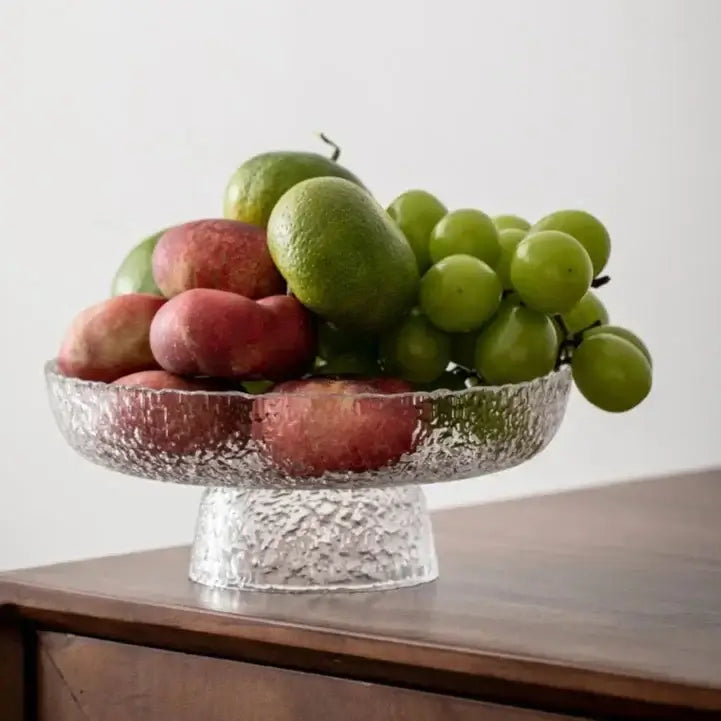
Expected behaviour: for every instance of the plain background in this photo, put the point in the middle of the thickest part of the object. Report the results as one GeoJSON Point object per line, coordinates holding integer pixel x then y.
{"type": "Point", "coordinates": [119, 118]}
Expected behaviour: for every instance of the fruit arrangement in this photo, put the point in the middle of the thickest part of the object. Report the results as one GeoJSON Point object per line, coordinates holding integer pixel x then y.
{"type": "Point", "coordinates": [308, 288]}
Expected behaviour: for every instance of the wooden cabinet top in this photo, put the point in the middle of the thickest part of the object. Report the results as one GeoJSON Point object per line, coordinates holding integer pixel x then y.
{"type": "Point", "coordinates": [600, 601]}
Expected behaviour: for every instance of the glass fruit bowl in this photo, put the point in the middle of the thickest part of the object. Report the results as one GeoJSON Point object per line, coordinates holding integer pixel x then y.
{"type": "Point", "coordinates": [312, 491]}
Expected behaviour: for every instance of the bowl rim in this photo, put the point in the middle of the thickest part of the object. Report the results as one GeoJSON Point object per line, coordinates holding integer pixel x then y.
{"type": "Point", "coordinates": [51, 373]}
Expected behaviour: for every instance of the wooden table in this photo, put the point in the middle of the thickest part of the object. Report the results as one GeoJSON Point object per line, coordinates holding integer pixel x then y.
{"type": "Point", "coordinates": [602, 603]}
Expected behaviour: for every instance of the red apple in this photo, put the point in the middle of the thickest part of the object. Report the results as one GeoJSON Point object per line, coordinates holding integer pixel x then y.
{"type": "Point", "coordinates": [110, 339]}
{"type": "Point", "coordinates": [178, 422]}
{"type": "Point", "coordinates": [316, 425]}
{"type": "Point", "coordinates": [206, 332]}
{"type": "Point", "coordinates": [216, 253]}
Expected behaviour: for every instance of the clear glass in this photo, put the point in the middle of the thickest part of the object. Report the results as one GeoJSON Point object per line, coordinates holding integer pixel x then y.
{"type": "Point", "coordinates": [314, 491]}
{"type": "Point", "coordinates": [313, 540]}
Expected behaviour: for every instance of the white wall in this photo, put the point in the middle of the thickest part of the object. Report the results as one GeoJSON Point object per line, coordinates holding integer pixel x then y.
{"type": "Point", "coordinates": [121, 117]}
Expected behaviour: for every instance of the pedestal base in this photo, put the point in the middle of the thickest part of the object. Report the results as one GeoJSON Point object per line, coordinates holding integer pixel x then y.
{"type": "Point", "coordinates": [340, 540]}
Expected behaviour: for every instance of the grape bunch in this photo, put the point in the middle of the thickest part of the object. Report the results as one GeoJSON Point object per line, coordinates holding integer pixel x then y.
{"type": "Point", "coordinates": [501, 301]}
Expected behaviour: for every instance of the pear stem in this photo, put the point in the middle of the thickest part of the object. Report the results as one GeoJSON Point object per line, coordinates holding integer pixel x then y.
{"type": "Point", "coordinates": [336, 148]}
{"type": "Point", "coordinates": [600, 281]}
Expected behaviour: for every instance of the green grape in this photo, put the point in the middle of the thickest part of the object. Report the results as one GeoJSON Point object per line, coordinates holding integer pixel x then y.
{"type": "Point", "coordinates": [587, 311]}
{"type": "Point", "coordinates": [518, 345]}
{"type": "Point", "coordinates": [586, 229]}
{"type": "Point", "coordinates": [257, 387]}
{"type": "Point", "coordinates": [463, 349]}
{"type": "Point", "coordinates": [551, 271]}
{"type": "Point", "coordinates": [416, 212]}
{"type": "Point", "coordinates": [508, 240]}
{"type": "Point", "coordinates": [342, 352]}
{"type": "Point", "coordinates": [467, 232]}
{"type": "Point", "coordinates": [509, 300]}
{"type": "Point", "coordinates": [459, 293]}
{"type": "Point", "coordinates": [622, 333]}
{"type": "Point", "coordinates": [507, 222]}
{"type": "Point", "coordinates": [453, 380]}
{"type": "Point", "coordinates": [334, 341]}
{"type": "Point", "coordinates": [415, 350]}
{"type": "Point", "coordinates": [349, 364]}
{"type": "Point", "coordinates": [611, 372]}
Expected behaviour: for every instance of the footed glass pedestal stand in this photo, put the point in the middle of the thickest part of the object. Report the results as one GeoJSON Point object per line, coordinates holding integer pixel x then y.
{"type": "Point", "coordinates": [314, 491]}
{"type": "Point", "coordinates": [313, 540]}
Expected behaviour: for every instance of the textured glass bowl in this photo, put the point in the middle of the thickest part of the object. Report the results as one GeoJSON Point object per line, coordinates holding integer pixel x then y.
{"type": "Point", "coordinates": [314, 491]}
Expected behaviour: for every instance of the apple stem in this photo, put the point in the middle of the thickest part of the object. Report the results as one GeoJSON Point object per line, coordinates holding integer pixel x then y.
{"type": "Point", "coordinates": [336, 148]}
{"type": "Point", "coordinates": [600, 281]}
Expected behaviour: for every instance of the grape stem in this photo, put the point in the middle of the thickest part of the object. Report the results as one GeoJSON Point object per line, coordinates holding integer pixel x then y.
{"type": "Point", "coordinates": [336, 148]}
{"type": "Point", "coordinates": [562, 325]}
{"type": "Point", "coordinates": [570, 341]}
{"type": "Point", "coordinates": [600, 281]}
{"type": "Point", "coordinates": [595, 324]}
{"type": "Point", "coordinates": [563, 347]}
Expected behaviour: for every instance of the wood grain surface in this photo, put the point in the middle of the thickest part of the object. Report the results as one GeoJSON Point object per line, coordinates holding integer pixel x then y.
{"type": "Point", "coordinates": [12, 671]}
{"type": "Point", "coordinates": [604, 601]}
{"type": "Point", "coordinates": [154, 685]}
